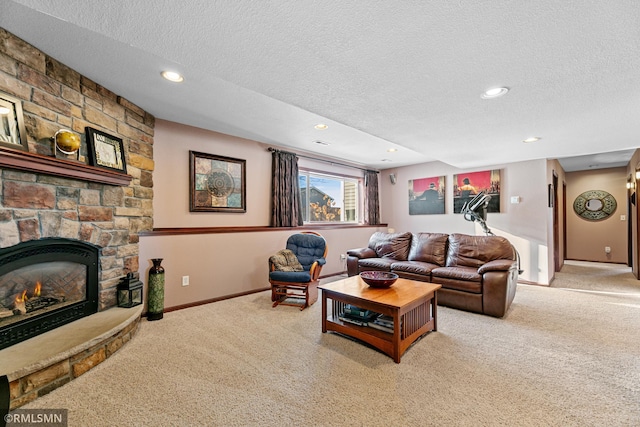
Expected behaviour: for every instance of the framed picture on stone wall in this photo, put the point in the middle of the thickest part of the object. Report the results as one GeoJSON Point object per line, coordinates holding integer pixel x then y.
{"type": "Point", "coordinates": [106, 151]}
{"type": "Point", "coordinates": [217, 183]}
{"type": "Point", "coordinates": [12, 130]}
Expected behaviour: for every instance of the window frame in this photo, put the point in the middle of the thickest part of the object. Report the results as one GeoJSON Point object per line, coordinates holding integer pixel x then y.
{"type": "Point", "coordinates": [359, 182]}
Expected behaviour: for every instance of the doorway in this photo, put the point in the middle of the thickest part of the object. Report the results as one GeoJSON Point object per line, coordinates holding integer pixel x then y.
{"type": "Point", "coordinates": [557, 262]}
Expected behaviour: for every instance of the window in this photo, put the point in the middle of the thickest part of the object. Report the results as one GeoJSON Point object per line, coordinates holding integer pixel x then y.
{"type": "Point", "coordinates": [329, 198]}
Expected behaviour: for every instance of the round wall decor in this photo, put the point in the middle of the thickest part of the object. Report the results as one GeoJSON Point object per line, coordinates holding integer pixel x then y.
{"type": "Point", "coordinates": [220, 183]}
{"type": "Point", "coordinates": [595, 205]}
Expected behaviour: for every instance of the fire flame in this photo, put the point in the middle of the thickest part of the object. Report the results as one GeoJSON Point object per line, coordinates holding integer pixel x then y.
{"type": "Point", "coordinates": [36, 293]}
{"type": "Point", "coordinates": [22, 297]}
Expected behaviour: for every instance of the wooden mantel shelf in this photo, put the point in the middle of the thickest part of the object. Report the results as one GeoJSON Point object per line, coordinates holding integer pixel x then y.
{"type": "Point", "coordinates": [37, 163]}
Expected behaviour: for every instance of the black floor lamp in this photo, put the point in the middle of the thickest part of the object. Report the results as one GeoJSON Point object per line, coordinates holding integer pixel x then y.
{"type": "Point", "coordinates": [476, 210]}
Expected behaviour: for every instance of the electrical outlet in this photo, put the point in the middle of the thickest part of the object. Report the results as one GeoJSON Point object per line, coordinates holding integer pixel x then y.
{"type": "Point", "coordinates": [607, 249]}
{"type": "Point", "coordinates": [185, 280]}
{"type": "Point", "coordinates": [343, 257]}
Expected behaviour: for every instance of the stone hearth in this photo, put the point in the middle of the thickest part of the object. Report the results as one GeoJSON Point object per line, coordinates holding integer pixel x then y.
{"type": "Point", "coordinates": [41, 364]}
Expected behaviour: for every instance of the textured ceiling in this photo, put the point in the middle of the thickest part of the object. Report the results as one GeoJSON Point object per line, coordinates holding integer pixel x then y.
{"type": "Point", "coordinates": [382, 74]}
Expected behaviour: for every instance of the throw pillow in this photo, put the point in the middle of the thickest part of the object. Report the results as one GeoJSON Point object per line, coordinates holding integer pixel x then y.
{"type": "Point", "coordinates": [285, 260]}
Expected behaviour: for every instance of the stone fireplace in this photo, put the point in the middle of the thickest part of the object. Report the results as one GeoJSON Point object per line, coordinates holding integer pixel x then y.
{"type": "Point", "coordinates": [43, 199]}
{"type": "Point", "coordinates": [45, 284]}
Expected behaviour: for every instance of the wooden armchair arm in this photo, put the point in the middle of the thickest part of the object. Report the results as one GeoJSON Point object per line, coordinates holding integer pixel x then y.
{"type": "Point", "coordinates": [315, 269]}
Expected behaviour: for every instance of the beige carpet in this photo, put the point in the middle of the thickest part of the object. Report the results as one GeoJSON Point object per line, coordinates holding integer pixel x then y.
{"type": "Point", "coordinates": [599, 277]}
{"type": "Point", "coordinates": [560, 357]}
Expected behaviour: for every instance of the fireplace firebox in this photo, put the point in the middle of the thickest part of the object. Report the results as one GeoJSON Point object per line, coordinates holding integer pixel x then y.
{"type": "Point", "coordinates": [45, 284]}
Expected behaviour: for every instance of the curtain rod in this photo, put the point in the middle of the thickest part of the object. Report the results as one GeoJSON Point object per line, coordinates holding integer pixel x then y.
{"type": "Point", "coordinates": [320, 160]}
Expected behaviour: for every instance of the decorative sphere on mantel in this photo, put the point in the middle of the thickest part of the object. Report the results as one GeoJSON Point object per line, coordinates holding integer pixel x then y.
{"type": "Point", "coordinates": [66, 141]}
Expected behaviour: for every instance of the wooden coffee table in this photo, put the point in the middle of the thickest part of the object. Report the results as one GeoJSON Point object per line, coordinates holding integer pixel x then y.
{"type": "Point", "coordinates": [411, 304]}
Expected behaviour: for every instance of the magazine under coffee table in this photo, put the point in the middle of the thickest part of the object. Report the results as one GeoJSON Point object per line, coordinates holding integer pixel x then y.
{"type": "Point", "coordinates": [411, 304]}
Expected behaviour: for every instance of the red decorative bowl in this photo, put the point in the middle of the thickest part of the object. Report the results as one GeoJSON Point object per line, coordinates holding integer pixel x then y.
{"type": "Point", "coordinates": [379, 279]}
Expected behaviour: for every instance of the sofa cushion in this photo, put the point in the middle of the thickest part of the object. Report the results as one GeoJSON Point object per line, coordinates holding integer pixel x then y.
{"type": "Point", "coordinates": [383, 264]}
{"type": "Point", "coordinates": [458, 273]}
{"type": "Point", "coordinates": [414, 267]}
{"type": "Point", "coordinates": [474, 251]}
{"type": "Point", "coordinates": [429, 247]}
{"type": "Point", "coordinates": [290, 276]}
{"type": "Point", "coordinates": [459, 278]}
{"type": "Point", "coordinates": [391, 245]}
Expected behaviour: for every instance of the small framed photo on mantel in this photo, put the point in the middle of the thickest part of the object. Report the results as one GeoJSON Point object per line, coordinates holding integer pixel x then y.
{"type": "Point", "coordinates": [105, 151]}
{"type": "Point", "coordinates": [12, 130]}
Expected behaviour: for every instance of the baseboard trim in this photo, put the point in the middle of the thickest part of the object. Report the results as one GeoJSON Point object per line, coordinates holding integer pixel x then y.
{"type": "Point", "coordinates": [240, 294]}
{"type": "Point", "coordinates": [210, 300]}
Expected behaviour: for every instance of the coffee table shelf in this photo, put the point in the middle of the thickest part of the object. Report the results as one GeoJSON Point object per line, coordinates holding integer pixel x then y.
{"type": "Point", "coordinates": [411, 304]}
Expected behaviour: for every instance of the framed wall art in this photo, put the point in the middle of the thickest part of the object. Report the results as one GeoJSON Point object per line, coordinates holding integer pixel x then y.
{"type": "Point", "coordinates": [217, 183]}
{"type": "Point", "coordinates": [467, 185]}
{"type": "Point", "coordinates": [426, 196]}
{"type": "Point", "coordinates": [12, 130]}
{"type": "Point", "coordinates": [106, 151]}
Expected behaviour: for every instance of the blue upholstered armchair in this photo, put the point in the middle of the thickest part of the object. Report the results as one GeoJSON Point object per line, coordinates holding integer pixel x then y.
{"type": "Point", "coordinates": [294, 271]}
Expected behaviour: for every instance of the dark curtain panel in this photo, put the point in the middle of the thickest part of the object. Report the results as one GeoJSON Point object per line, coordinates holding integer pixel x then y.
{"type": "Point", "coordinates": [372, 205]}
{"type": "Point", "coordinates": [286, 203]}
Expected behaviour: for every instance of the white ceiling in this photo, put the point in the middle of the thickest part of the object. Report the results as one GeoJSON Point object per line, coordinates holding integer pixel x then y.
{"type": "Point", "coordinates": [382, 74]}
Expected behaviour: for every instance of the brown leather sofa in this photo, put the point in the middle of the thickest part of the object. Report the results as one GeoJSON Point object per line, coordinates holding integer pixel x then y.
{"type": "Point", "coordinates": [477, 273]}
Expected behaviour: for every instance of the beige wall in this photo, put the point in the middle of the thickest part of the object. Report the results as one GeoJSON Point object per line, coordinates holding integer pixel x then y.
{"type": "Point", "coordinates": [524, 224]}
{"type": "Point", "coordinates": [586, 240]}
{"type": "Point", "coordinates": [222, 264]}
{"type": "Point", "coordinates": [171, 177]}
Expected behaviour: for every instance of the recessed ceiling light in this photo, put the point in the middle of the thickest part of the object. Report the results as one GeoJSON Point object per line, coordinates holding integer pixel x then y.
{"type": "Point", "coordinates": [321, 126]}
{"type": "Point", "coordinates": [322, 143]}
{"type": "Point", "coordinates": [392, 150]}
{"type": "Point", "coordinates": [172, 76]}
{"type": "Point", "coordinates": [532, 139]}
{"type": "Point", "coordinates": [495, 92]}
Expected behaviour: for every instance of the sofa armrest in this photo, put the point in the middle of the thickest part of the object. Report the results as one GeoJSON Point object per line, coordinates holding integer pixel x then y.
{"type": "Point", "coordinates": [362, 253]}
{"type": "Point", "coordinates": [354, 255]}
{"type": "Point", "coordinates": [498, 291]}
{"type": "Point", "coordinates": [497, 265]}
